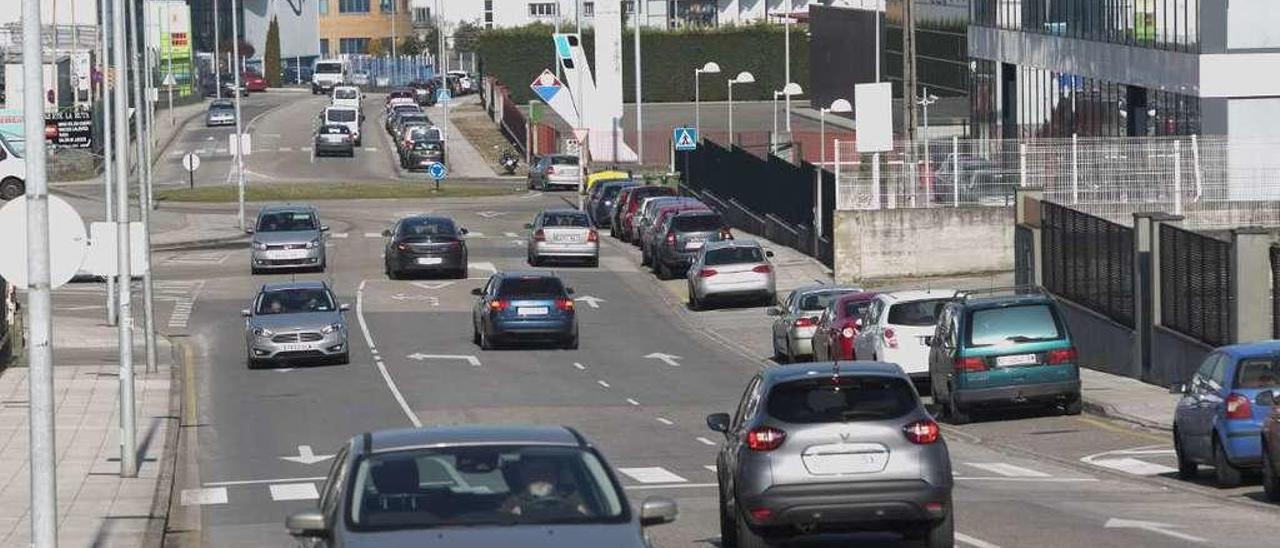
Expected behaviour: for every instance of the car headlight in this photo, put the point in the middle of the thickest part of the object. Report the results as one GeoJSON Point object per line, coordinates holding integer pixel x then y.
{"type": "Point", "coordinates": [263, 332]}
{"type": "Point", "coordinates": [331, 328]}
{"type": "Point", "coordinates": [259, 246]}
{"type": "Point", "coordinates": [313, 243]}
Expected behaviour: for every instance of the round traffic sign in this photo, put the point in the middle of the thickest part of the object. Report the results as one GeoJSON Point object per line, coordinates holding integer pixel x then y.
{"type": "Point", "coordinates": [67, 242]}
{"type": "Point", "coordinates": [437, 171]}
{"type": "Point", "coordinates": [191, 161]}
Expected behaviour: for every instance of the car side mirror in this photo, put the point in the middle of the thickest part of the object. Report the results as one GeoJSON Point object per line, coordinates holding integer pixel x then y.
{"type": "Point", "coordinates": [246, 312]}
{"type": "Point", "coordinates": [344, 307]}
{"type": "Point", "coordinates": [248, 230]}
{"type": "Point", "coordinates": [658, 511]}
{"type": "Point", "coordinates": [775, 311]}
{"type": "Point", "coordinates": [528, 226]}
{"type": "Point", "coordinates": [324, 228]}
{"type": "Point", "coordinates": [386, 233]}
{"type": "Point", "coordinates": [1178, 388]}
{"type": "Point", "coordinates": [477, 291]}
{"type": "Point", "coordinates": [463, 231]}
{"type": "Point", "coordinates": [768, 254]}
{"type": "Point", "coordinates": [306, 524]}
{"type": "Point", "coordinates": [718, 422]}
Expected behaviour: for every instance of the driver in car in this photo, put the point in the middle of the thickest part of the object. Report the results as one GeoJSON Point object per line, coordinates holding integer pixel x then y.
{"type": "Point", "coordinates": [544, 493]}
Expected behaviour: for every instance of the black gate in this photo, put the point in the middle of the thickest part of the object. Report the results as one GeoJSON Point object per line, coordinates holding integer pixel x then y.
{"type": "Point", "coordinates": [1024, 255]}
{"type": "Point", "coordinates": [1088, 260]}
{"type": "Point", "coordinates": [1195, 285]}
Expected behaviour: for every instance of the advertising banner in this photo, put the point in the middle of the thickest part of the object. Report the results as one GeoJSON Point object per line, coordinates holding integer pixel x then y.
{"type": "Point", "coordinates": [171, 28]}
{"type": "Point", "coordinates": [69, 128]}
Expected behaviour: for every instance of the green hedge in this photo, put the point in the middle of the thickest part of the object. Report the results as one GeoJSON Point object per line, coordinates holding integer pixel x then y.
{"type": "Point", "coordinates": [515, 56]}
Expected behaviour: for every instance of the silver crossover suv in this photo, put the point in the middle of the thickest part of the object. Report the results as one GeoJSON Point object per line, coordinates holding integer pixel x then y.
{"type": "Point", "coordinates": [287, 236]}
{"type": "Point", "coordinates": [458, 486]}
{"type": "Point", "coordinates": [731, 269]}
{"type": "Point", "coordinates": [295, 321]}
{"type": "Point", "coordinates": [828, 448]}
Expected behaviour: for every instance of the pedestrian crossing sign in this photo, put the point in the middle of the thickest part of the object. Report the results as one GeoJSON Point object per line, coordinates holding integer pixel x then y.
{"type": "Point", "coordinates": [685, 139]}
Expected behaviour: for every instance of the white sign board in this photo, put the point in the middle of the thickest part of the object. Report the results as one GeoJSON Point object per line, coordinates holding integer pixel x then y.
{"type": "Point", "coordinates": [873, 116]}
{"type": "Point", "coordinates": [67, 242]}
{"type": "Point", "coordinates": [191, 161]}
{"type": "Point", "coordinates": [102, 260]}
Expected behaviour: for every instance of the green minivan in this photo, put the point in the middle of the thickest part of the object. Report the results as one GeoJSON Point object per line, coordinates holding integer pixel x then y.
{"type": "Point", "coordinates": [1001, 350]}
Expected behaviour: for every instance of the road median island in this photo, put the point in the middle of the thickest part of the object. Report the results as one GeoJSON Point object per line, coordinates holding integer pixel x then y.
{"type": "Point", "coordinates": [274, 192]}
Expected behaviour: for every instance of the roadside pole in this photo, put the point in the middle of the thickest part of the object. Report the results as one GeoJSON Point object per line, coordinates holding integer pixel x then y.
{"type": "Point", "coordinates": [444, 69]}
{"type": "Point", "coordinates": [142, 143]}
{"type": "Point", "coordinates": [44, 492]}
{"type": "Point", "coordinates": [239, 152]}
{"type": "Point", "coordinates": [639, 13]}
{"type": "Point", "coordinates": [217, 71]}
{"type": "Point", "coordinates": [128, 445]}
{"type": "Point", "coordinates": [108, 156]}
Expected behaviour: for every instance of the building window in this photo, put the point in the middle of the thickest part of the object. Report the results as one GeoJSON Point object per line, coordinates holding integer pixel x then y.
{"type": "Point", "coordinates": [353, 6]}
{"type": "Point", "coordinates": [628, 7]}
{"type": "Point", "coordinates": [422, 16]}
{"type": "Point", "coordinates": [542, 9]}
{"type": "Point", "coordinates": [488, 14]}
{"type": "Point", "coordinates": [1159, 24]}
{"type": "Point", "coordinates": [324, 7]}
{"type": "Point", "coordinates": [392, 6]}
{"type": "Point", "coordinates": [324, 47]}
{"type": "Point", "coordinates": [353, 45]}
{"type": "Point", "coordinates": [588, 9]}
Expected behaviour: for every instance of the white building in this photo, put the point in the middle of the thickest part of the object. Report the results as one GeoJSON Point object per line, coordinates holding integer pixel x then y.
{"type": "Point", "coordinates": [299, 27]}
{"type": "Point", "coordinates": [515, 13]}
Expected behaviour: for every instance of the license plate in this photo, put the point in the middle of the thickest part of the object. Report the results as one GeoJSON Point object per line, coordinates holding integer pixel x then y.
{"type": "Point", "coordinates": [294, 347]}
{"type": "Point", "coordinates": [532, 311]}
{"type": "Point", "coordinates": [1017, 359]}
{"type": "Point", "coordinates": [694, 244]}
{"type": "Point", "coordinates": [430, 260]}
{"type": "Point", "coordinates": [564, 238]}
{"type": "Point", "coordinates": [425, 163]}
{"type": "Point", "coordinates": [290, 254]}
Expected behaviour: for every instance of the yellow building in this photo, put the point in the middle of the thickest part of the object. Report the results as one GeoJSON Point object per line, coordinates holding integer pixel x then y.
{"type": "Point", "coordinates": [349, 26]}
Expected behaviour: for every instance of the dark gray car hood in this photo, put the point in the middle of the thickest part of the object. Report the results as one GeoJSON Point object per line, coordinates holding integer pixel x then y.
{"type": "Point", "coordinates": [286, 237]}
{"type": "Point", "coordinates": [626, 535]}
{"type": "Point", "coordinates": [296, 322]}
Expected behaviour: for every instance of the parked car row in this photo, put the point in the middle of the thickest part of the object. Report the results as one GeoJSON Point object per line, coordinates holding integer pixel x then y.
{"type": "Point", "coordinates": [418, 141]}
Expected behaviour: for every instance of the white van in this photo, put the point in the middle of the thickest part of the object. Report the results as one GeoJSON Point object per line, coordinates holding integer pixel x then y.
{"type": "Point", "coordinates": [344, 116]}
{"type": "Point", "coordinates": [13, 169]}
{"type": "Point", "coordinates": [326, 74]}
{"type": "Point", "coordinates": [347, 96]}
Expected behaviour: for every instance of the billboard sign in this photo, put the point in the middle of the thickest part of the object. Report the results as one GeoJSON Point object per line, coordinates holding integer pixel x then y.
{"type": "Point", "coordinates": [171, 28]}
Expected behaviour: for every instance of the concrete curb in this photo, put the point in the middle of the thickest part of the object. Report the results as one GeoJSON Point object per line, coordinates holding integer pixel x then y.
{"type": "Point", "coordinates": [1110, 411]}
{"type": "Point", "coordinates": [201, 243]}
{"type": "Point", "coordinates": [160, 150]}
{"type": "Point", "coordinates": [162, 498]}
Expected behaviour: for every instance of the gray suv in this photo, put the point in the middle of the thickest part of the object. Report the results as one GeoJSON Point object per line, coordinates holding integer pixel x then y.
{"type": "Point", "coordinates": [287, 237]}
{"type": "Point", "coordinates": [455, 486]}
{"type": "Point", "coordinates": [295, 321]}
{"type": "Point", "coordinates": [829, 448]}
{"type": "Point", "coordinates": [681, 236]}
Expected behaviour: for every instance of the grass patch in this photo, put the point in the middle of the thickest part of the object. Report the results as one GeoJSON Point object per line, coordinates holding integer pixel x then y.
{"type": "Point", "coordinates": [484, 135]}
{"type": "Point", "coordinates": [278, 192]}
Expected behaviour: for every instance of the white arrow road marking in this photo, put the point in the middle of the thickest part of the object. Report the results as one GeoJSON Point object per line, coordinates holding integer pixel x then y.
{"type": "Point", "coordinates": [474, 361]}
{"type": "Point", "coordinates": [431, 285]}
{"type": "Point", "coordinates": [306, 456]}
{"type": "Point", "coordinates": [1122, 460]}
{"type": "Point", "coordinates": [1151, 526]}
{"type": "Point", "coordinates": [433, 301]}
{"type": "Point", "coordinates": [673, 361]}
{"type": "Point", "coordinates": [294, 491]}
{"type": "Point", "coordinates": [593, 302]}
{"type": "Point", "coordinates": [975, 542]}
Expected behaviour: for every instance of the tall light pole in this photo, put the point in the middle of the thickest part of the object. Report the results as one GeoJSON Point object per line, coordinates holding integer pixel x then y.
{"type": "Point", "coordinates": [235, 72]}
{"type": "Point", "coordinates": [395, 66]}
{"type": "Point", "coordinates": [444, 67]}
{"type": "Point", "coordinates": [710, 68]}
{"type": "Point", "coordinates": [217, 70]}
{"type": "Point", "coordinates": [924, 101]}
{"type": "Point", "coordinates": [144, 180]}
{"type": "Point", "coordinates": [44, 492]}
{"type": "Point", "coordinates": [786, 71]}
{"type": "Point", "coordinates": [743, 77]}
{"type": "Point", "coordinates": [786, 92]}
{"type": "Point", "coordinates": [108, 156]}
{"type": "Point", "coordinates": [639, 12]}
{"type": "Point", "coordinates": [128, 418]}
{"type": "Point", "coordinates": [837, 106]}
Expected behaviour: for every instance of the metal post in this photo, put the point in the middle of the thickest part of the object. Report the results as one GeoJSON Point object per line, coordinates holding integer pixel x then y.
{"type": "Point", "coordinates": [108, 156]}
{"type": "Point", "coordinates": [1022, 164]}
{"type": "Point", "coordinates": [173, 118]}
{"type": "Point", "coordinates": [955, 171]}
{"type": "Point", "coordinates": [44, 492]}
{"type": "Point", "coordinates": [773, 136]}
{"type": "Point", "coordinates": [875, 181]}
{"type": "Point", "coordinates": [444, 66]}
{"type": "Point", "coordinates": [822, 137]}
{"type": "Point", "coordinates": [1177, 177]}
{"type": "Point", "coordinates": [297, 70]}
{"type": "Point", "coordinates": [877, 26]}
{"type": "Point", "coordinates": [239, 152]}
{"type": "Point", "coordinates": [1195, 165]}
{"type": "Point", "coordinates": [128, 442]}
{"type": "Point", "coordinates": [217, 57]}
{"type": "Point", "coordinates": [786, 63]}
{"type": "Point", "coordinates": [144, 193]}
{"type": "Point", "coordinates": [639, 77]}
{"type": "Point", "coordinates": [697, 104]}
{"type": "Point", "coordinates": [1075, 168]}
{"type": "Point", "coordinates": [395, 65]}
{"type": "Point", "coordinates": [730, 113]}
{"type": "Point", "coordinates": [839, 196]}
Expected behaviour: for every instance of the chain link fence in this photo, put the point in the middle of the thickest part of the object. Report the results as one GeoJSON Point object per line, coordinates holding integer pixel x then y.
{"type": "Point", "coordinates": [1196, 278]}
{"type": "Point", "coordinates": [1088, 260]}
{"type": "Point", "coordinates": [1213, 181]}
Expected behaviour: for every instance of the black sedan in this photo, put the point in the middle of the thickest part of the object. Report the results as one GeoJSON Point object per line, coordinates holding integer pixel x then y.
{"type": "Point", "coordinates": [334, 139]}
{"type": "Point", "coordinates": [423, 244]}
{"type": "Point", "coordinates": [421, 151]}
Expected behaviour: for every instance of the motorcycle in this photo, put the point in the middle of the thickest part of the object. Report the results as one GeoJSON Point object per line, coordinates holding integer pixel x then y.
{"type": "Point", "coordinates": [509, 160]}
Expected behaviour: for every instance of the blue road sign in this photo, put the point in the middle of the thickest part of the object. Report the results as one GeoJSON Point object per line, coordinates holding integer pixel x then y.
{"type": "Point", "coordinates": [685, 138]}
{"type": "Point", "coordinates": [437, 171]}
{"type": "Point", "coordinates": [442, 95]}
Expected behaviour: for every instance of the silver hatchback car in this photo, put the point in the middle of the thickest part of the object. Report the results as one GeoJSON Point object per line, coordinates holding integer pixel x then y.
{"type": "Point", "coordinates": [458, 486]}
{"type": "Point", "coordinates": [295, 321]}
{"type": "Point", "coordinates": [731, 269]}
{"type": "Point", "coordinates": [832, 448]}
{"type": "Point", "coordinates": [797, 319]}
{"type": "Point", "coordinates": [287, 237]}
{"type": "Point", "coordinates": [566, 234]}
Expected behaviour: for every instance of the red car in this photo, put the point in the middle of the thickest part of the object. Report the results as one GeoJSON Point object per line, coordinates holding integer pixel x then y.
{"type": "Point", "coordinates": [839, 324]}
{"type": "Point", "coordinates": [253, 81]}
{"type": "Point", "coordinates": [629, 209]}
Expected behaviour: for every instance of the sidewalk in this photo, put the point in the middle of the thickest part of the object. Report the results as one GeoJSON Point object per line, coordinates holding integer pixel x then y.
{"type": "Point", "coordinates": [167, 128]}
{"type": "Point", "coordinates": [465, 162]}
{"type": "Point", "coordinates": [96, 507]}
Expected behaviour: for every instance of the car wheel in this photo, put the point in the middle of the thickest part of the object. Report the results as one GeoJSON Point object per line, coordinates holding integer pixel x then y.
{"type": "Point", "coordinates": [343, 358]}
{"type": "Point", "coordinates": [955, 413]}
{"type": "Point", "coordinates": [571, 343]}
{"type": "Point", "coordinates": [942, 535]}
{"type": "Point", "coordinates": [253, 363]}
{"type": "Point", "coordinates": [749, 539]}
{"type": "Point", "coordinates": [728, 528]}
{"type": "Point", "coordinates": [535, 260]}
{"type": "Point", "coordinates": [486, 342]}
{"type": "Point", "coordinates": [693, 301]}
{"type": "Point", "coordinates": [1270, 479]}
{"type": "Point", "coordinates": [1187, 469]}
{"type": "Point", "coordinates": [475, 334]}
{"type": "Point", "coordinates": [1227, 475]}
{"type": "Point", "coordinates": [255, 271]}
{"type": "Point", "coordinates": [393, 273]}
{"type": "Point", "coordinates": [1074, 407]}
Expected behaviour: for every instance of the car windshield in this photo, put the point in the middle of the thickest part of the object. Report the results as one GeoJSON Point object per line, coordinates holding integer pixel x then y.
{"type": "Point", "coordinates": [916, 313]}
{"type": "Point", "coordinates": [222, 109]}
{"type": "Point", "coordinates": [427, 227]}
{"type": "Point", "coordinates": [1013, 324]}
{"type": "Point", "coordinates": [328, 68]}
{"type": "Point", "coordinates": [16, 145]}
{"type": "Point", "coordinates": [286, 221]}
{"type": "Point", "coordinates": [424, 143]}
{"type": "Point", "coordinates": [566, 219]}
{"type": "Point", "coordinates": [734, 255]}
{"type": "Point", "coordinates": [341, 115]}
{"type": "Point", "coordinates": [611, 192]}
{"type": "Point", "coordinates": [817, 300]}
{"type": "Point", "coordinates": [483, 485]}
{"type": "Point", "coordinates": [531, 287]}
{"type": "Point", "coordinates": [850, 399]}
{"type": "Point", "coordinates": [430, 134]}
{"type": "Point", "coordinates": [414, 117]}
{"type": "Point", "coordinates": [345, 94]}
{"type": "Point", "coordinates": [854, 309]}
{"type": "Point", "coordinates": [697, 223]}
{"type": "Point", "coordinates": [1258, 373]}
{"type": "Point", "coordinates": [564, 161]}
{"type": "Point", "coordinates": [294, 301]}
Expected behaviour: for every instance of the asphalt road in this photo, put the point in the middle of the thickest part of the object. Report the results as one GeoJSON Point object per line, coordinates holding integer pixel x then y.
{"type": "Point", "coordinates": [1026, 480]}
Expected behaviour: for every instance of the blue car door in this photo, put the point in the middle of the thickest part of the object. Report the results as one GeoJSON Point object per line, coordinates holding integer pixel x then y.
{"type": "Point", "coordinates": [1199, 407]}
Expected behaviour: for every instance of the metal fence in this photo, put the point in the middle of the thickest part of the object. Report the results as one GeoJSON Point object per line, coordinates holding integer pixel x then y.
{"type": "Point", "coordinates": [1275, 292]}
{"type": "Point", "coordinates": [1195, 285]}
{"type": "Point", "coordinates": [1088, 260]}
{"type": "Point", "coordinates": [381, 71]}
{"type": "Point", "coordinates": [1213, 181]}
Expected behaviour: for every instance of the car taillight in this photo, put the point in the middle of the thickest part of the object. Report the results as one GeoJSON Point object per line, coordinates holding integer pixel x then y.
{"type": "Point", "coordinates": [499, 305]}
{"type": "Point", "coordinates": [761, 515]}
{"type": "Point", "coordinates": [765, 438]}
{"type": "Point", "coordinates": [551, 170]}
{"type": "Point", "coordinates": [763, 269]}
{"type": "Point", "coordinates": [847, 333]}
{"type": "Point", "coordinates": [970, 364]}
{"type": "Point", "coordinates": [564, 304]}
{"type": "Point", "coordinates": [805, 322]}
{"type": "Point", "coordinates": [706, 273]}
{"type": "Point", "coordinates": [1238, 407]}
{"type": "Point", "coordinates": [1062, 356]}
{"type": "Point", "coordinates": [725, 234]}
{"type": "Point", "coordinates": [890, 338]}
{"type": "Point", "coordinates": [539, 236]}
{"type": "Point", "coordinates": [921, 432]}
{"type": "Point", "coordinates": [671, 238]}
{"type": "Point", "coordinates": [593, 236]}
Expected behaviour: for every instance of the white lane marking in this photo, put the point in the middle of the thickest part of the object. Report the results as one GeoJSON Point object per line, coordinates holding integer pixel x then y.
{"type": "Point", "coordinates": [220, 151]}
{"type": "Point", "coordinates": [671, 486]}
{"type": "Point", "coordinates": [1134, 466]}
{"type": "Point", "coordinates": [340, 235]}
{"type": "Point", "coordinates": [370, 149]}
{"type": "Point", "coordinates": [294, 491]}
{"type": "Point", "coordinates": [305, 149]}
{"type": "Point", "coordinates": [1151, 526]}
{"type": "Point", "coordinates": [705, 441]}
{"type": "Point", "coordinates": [431, 285]}
{"type": "Point", "coordinates": [511, 234]}
{"type": "Point", "coordinates": [485, 266]}
{"type": "Point", "coordinates": [261, 481]}
{"type": "Point", "coordinates": [652, 474]}
{"type": "Point", "coordinates": [711, 467]}
{"type": "Point", "coordinates": [372, 234]}
{"type": "Point", "coordinates": [474, 361]}
{"type": "Point", "coordinates": [70, 308]}
{"type": "Point", "coordinates": [395, 391]}
{"type": "Point", "coordinates": [201, 497]}
{"type": "Point", "coordinates": [975, 542]}
{"type": "Point", "coordinates": [669, 359]}
{"type": "Point", "coordinates": [633, 402]}
{"type": "Point", "coordinates": [374, 351]}
{"type": "Point", "coordinates": [290, 149]}
{"type": "Point", "coordinates": [1007, 470]}
{"type": "Point", "coordinates": [665, 421]}
{"type": "Point", "coordinates": [306, 456]}
{"type": "Point", "coordinates": [603, 384]}
{"type": "Point", "coordinates": [471, 235]}
{"type": "Point", "coordinates": [580, 366]}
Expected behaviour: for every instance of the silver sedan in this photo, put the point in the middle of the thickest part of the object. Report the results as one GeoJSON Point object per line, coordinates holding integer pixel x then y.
{"type": "Point", "coordinates": [565, 234]}
{"type": "Point", "coordinates": [797, 318]}
{"type": "Point", "coordinates": [287, 237]}
{"type": "Point", "coordinates": [731, 269]}
{"type": "Point", "coordinates": [295, 321]}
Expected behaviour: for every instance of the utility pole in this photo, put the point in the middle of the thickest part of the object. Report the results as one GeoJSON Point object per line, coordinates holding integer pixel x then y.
{"type": "Point", "coordinates": [44, 491]}
{"type": "Point", "coordinates": [444, 68]}
{"type": "Point", "coordinates": [909, 70]}
{"type": "Point", "coordinates": [108, 156]}
{"type": "Point", "coordinates": [786, 71]}
{"type": "Point", "coordinates": [395, 66]}
{"type": "Point", "coordinates": [142, 143]}
{"type": "Point", "coordinates": [128, 441]}
{"type": "Point", "coordinates": [235, 72]}
{"type": "Point", "coordinates": [217, 71]}
{"type": "Point", "coordinates": [639, 77]}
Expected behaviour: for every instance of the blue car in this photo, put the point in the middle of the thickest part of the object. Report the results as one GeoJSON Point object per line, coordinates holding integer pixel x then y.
{"type": "Point", "coordinates": [524, 306]}
{"type": "Point", "coordinates": [1219, 419]}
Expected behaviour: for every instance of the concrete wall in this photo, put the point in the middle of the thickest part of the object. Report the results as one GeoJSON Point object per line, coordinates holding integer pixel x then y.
{"type": "Point", "coordinates": [897, 243]}
{"type": "Point", "coordinates": [1103, 344]}
{"type": "Point", "coordinates": [1174, 357]}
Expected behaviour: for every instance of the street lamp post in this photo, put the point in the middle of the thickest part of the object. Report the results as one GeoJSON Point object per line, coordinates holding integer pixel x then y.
{"type": "Point", "coordinates": [743, 77]}
{"type": "Point", "coordinates": [710, 68]}
{"type": "Point", "coordinates": [786, 77]}
{"type": "Point", "coordinates": [837, 106]}
{"type": "Point", "coordinates": [235, 72]}
{"type": "Point", "coordinates": [639, 12]}
{"type": "Point", "coordinates": [787, 91]}
{"type": "Point", "coordinates": [924, 101]}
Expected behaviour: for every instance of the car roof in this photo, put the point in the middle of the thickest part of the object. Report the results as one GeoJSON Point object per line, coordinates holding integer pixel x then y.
{"type": "Point", "coordinates": [508, 274]}
{"type": "Point", "coordinates": [222, 103]}
{"type": "Point", "coordinates": [998, 301]}
{"type": "Point", "coordinates": [800, 371]}
{"type": "Point", "coordinates": [696, 211]}
{"type": "Point", "coordinates": [563, 211]}
{"type": "Point", "coordinates": [857, 296]}
{"type": "Point", "coordinates": [918, 295]}
{"type": "Point", "coordinates": [407, 438]}
{"type": "Point", "coordinates": [724, 244]}
{"type": "Point", "coordinates": [283, 208]}
{"type": "Point", "coordinates": [825, 289]}
{"type": "Point", "coordinates": [295, 284]}
{"type": "Point", "coordinates": [427, 218]}
{"type": "Point", "coordinates": [1252, 349]}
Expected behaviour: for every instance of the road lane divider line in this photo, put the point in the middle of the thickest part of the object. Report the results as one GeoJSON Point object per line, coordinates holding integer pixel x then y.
{"type": "Point", "coordinates": [705, 441]}
{"type": "Point", "coordinates": [633, 402]}
{"type": "Point", "coordinates": [975, 542]}
{"type": "Point", "coordinates": [382, 368]}
{"type": "Point", "coordinates": [603, 384]}
{"type": "Point", "coordinates": [665, 421]}
{"type": "Point", "coordinates": [203, 496]}
{"type": "Point", "coordinates": [711, 468]}
{"type": "Point", "coordinates": [652, 474]}
{"type": "Point", "coordinates": [1007, 470]}
{"type": "Point", "coordinates": [580, 366]}
{"type": "Point", "coordinates": [294, 491]}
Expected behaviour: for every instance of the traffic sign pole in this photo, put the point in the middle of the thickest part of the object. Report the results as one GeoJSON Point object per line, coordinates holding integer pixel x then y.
{"type": "Point", "coordinates": [124, 327]}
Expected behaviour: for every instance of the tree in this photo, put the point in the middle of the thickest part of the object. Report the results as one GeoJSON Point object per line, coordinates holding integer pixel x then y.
{"type": "Point", "coordinates": [412, 45]}
{"type": "Point", "coordinates": [466, 37]}
{"type": "Point", "coordinates": [246, 49]}
{"type": "Point", "coordinates": [271, 58]}
{"type": "Point", "coordinates": [376, 47]}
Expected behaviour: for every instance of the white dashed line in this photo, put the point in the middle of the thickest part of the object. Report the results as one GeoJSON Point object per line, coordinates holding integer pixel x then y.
{"type": "Point", "coordinates": [370, 149]}
{"type": "Point", "coordinates": [580, 366]}
{"type": "Point", "coordinates": [368, 339]}
{"type": "Point", "coordinates": [286, 149]}
{"type": "Point", "coordinates": [1008, 470]}
{"type": "Point", "coordinates": [705, 441]}
{"type": "Point", "coordinates": [372, 234]}
{"type": "Point", "coordinates": [652, 474]}
{"type": "Point", "coordinates": [665, 421]}
{"type": "Point", "coordinates": [975, 542]}
{"type": "Point", "coordinates": [340, 235]}
{"type": "Point", "coordinates": [511, 234]}
{"type": "Point", "coordinates": [633, 402]}
{"type": "Point", "coordinates": [294, 491]}
{"type": "Point", "coordinates": [602, 383]}
{"type": "Point", "coordinates": [711, 467]}
{"type": "Point", "coordinates": [201, 497]}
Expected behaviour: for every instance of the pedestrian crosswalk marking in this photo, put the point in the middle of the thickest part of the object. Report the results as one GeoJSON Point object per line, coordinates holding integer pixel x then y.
{"type": "Point", "coordinates": [339, 235]}
{"type": "Point", "coordinates": [1007, 470]}
{"type": "Point", "coordinates": [201, 497]}
{"type": "Point", "coordinates": [372, 235]}
{"type": "Point", "coordinates": [294, 491]}
{"type": "Point", "coordinates": [1134, 466]}
{"type": "Point", "coordinates": [652, 474]}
